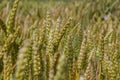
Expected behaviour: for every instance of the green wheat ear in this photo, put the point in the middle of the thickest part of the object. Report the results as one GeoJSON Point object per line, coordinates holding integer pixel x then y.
{"type": "Point", "coordinates": [11, 19]}
{"type": "Point", "coordinates": [3, 26]}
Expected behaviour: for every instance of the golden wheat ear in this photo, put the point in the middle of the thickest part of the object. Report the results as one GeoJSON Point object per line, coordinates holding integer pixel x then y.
{"type": "Point", "coordinates": [3, 26]}
{"type": "Point", "coordinates": [81, 55]}
{"type": "Point", "coordinates": [8, 42]}
{"type": "Point", "coordinates": [11, 19]}
{"type": "Point", "coordinates": [69, 56]}
{"type": "Point", "coordinates": [60, 74]}
{"type": "Point", "coordinates": [22, 60]}
{"type": "Point", "coordinates": [53, 66]}
{"type": "Point", "coordinates": [61, 34]}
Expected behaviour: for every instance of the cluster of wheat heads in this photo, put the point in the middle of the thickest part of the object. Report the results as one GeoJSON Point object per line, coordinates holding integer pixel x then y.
{"type": "Point", "coordinates": [61, 48]}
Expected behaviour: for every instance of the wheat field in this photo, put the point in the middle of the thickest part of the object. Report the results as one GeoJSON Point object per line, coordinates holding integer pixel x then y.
{"type": "Point", "coordinates": [60, 40]}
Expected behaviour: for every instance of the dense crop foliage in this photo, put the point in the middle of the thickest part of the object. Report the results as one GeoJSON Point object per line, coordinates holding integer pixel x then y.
{"type": "Point", "coordinates": [77, 40]}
